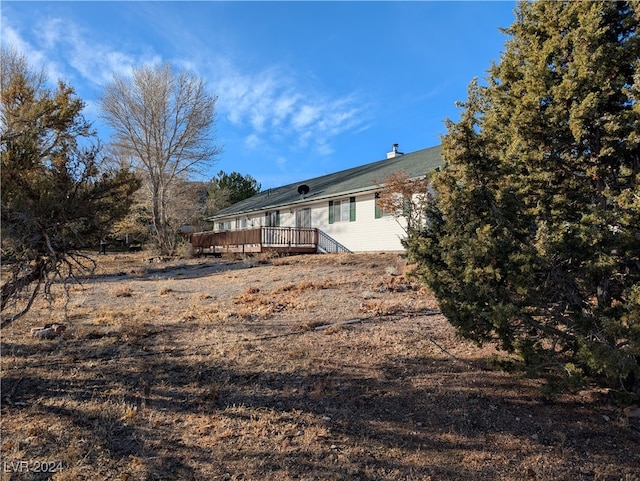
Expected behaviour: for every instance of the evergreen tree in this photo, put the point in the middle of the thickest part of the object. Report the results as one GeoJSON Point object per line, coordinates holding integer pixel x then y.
{"type": "Point", "coordinates": [55, 197]}
{"type": "Point", "coordinates": [533, 234]}
{"type": "Point", "coordinates": [228, 189]}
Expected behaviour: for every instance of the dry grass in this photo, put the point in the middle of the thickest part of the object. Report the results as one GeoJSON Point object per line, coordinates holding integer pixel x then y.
{"type": "Point", "coordinates": [309, 368]}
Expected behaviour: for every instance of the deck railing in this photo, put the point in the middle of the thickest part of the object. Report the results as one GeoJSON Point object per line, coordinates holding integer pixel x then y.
{"type": "Point", "coordinates": [289, 236]}
{"type": "Point", "coordinates": [256, 240]}
{"type": "Point", "coordinates": [328, 244]}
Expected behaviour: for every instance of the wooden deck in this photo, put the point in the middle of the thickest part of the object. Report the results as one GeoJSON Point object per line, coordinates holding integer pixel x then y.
{"type": "Point", "coordinates": [260, 239]}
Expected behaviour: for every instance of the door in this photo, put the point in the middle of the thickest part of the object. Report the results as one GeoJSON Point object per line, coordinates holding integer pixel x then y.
{"type": "Point", "coordinates": [303, 220]}
{"type": "Point", "coordinates": [303, 217]}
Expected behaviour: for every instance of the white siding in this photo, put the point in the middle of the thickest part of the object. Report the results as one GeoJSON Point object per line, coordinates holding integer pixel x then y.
{"type": "Point", "coordinates": [365, 234]}
{"type": "Point", "coordinates": [287, 218]}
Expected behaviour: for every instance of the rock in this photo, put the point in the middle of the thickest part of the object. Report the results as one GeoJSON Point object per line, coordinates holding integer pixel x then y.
{"type": "Point", "coordinates": [632, 411]}
{"type": "Point", "coordinates": [49, 331]}
{"type": "Point", "coordinates": [43, 333]}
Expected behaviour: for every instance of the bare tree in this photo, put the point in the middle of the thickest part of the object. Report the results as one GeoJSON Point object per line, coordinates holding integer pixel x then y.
{"type": "Point", "coordinates": [165, 121]}
{"type": "Point", "coordinates": [404, 198]}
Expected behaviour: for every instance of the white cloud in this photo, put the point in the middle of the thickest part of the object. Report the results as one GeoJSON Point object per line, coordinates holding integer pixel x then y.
{"type": "Point", "coordinates": [271, 104]}
{"type": "Point", "coordinates": [36, 57]}
{"type": "Point", "coordinates": [97, 62]}
{"type": "Point", "coordinates": [283, 108]}
{"type": "Point", "coordinates": [67, 51]}
{"type": "Point", "coordinates": [252, 141]}
{"type": "Point", "coordinates": [49, 33]}
{"type": "Point", "coordinates": [306, 115]}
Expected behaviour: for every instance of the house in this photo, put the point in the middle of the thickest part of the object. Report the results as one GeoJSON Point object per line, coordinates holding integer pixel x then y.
{"type": "Point", "coordinates": [334, 212]}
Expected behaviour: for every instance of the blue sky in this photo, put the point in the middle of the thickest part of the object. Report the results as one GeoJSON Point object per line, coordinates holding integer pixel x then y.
{"type": "Point", "coordinates": [304, 88]}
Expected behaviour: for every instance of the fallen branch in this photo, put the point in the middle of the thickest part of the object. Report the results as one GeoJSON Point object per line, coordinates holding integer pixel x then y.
{"type": "Point", "coordinates": [327, 326]}
{"type": "Point", "coordinates": [444, 351]}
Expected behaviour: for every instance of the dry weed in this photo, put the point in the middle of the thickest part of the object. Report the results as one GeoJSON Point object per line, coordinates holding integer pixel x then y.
{"type": "Point", "coordinates": [232, 380]}
{"type": "Point", "coordinates": [108, 315]}
{"type": "Point", "coordinates": [122, 291]}
{"type": "Point", "coordinates": [139, 271]}
{"type": "Point", "coordinates": [305, 285]}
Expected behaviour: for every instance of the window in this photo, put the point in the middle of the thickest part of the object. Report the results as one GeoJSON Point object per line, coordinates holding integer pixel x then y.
{"type": "Point", "coordinates": [224, 225]}
{"type": "Point", "coordinates": [342, 210]}
{"type": "Point", "coordinates": [272, 219]}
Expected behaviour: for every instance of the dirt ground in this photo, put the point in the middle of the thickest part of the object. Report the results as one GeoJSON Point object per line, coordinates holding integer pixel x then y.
{"type": "Point", "coordinates": [323, 367]}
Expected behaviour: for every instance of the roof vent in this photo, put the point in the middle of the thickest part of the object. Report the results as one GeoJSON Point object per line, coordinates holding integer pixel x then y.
{"type": "Point", "coordinates": [303, 190]}
{"type": "Point", "coordinates": [394, 152]}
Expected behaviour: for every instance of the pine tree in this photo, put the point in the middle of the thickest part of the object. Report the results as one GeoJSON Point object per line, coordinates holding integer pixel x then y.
{"type": "Point", "coordinates": [55, 198]}
{"type": "Point", "coordinates": [228, 189]}
{"type": "Point", "coordinates": [533, 235]}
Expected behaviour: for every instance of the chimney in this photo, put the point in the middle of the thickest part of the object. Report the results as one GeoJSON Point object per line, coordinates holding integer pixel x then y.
{"type": "Point", "coordinates": [394, 152]}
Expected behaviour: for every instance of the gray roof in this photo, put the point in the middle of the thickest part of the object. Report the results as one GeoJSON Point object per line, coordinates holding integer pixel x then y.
{"type": "Point", "coordinates": [349, 181]}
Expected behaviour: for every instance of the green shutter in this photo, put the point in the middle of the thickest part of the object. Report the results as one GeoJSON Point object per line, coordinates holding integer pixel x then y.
{"type": "Point", "coordinates": [378, 210]}
{"type": "Point", "coordinates": [330, 212]}
{"type": "Point", "coordinates": [352, 209]}
{"type": "Point", "coordinates": [277, 218]}
{"type": "Point", "coordinates": [406, 206]}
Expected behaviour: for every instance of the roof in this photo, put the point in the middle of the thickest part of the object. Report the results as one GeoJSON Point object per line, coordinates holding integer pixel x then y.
{"type": "Point", "coordinates": [349, 181]}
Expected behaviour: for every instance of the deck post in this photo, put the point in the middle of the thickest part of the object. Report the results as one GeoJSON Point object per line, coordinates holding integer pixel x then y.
{"type": "Point", "coordinates": [285, 239]}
